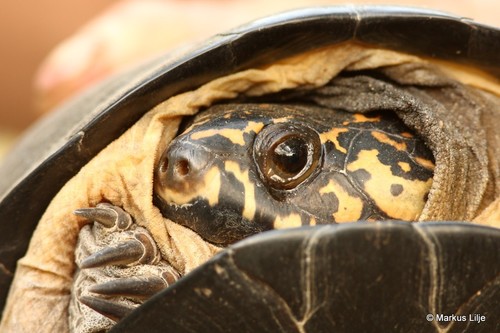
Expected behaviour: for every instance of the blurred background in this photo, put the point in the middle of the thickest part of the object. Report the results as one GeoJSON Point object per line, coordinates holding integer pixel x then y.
{"type": "Point", "coordinates": [53, 49]}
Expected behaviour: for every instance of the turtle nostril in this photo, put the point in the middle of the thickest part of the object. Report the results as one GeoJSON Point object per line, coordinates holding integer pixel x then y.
{"type": "Point", "coordinates": [164, 165]}
{"type": "Point", "coordinates": [182, 167]}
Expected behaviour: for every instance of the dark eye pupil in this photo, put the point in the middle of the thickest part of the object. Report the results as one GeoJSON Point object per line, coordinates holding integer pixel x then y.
{"type": "Point", "coordinates": [290, 156]}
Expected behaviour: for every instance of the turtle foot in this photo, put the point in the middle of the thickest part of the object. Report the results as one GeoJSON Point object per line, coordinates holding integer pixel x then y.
{"type": "Point", "coordinates": [119, 267]}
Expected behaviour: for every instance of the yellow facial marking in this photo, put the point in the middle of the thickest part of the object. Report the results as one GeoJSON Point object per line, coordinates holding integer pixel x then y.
{"type": "Point", "coordinates": [384, 138]}
{"type": "Point", "coordinates": [253, 126]}
{"type": "Point", "coordinates": [408, 204]}
{"type": "Point", "coordinates": [333, 137]}
{"type": "Point", "coordinates": [243, 177]}
{"type": "Point", "coordinates": [291, 221]}
{"type": "Point", "coordinates": [404, 166]}
{"type": "Point", "coordinates": [233, 134]}
{"type": "Point", "coordinates": [361, 118]}
{"type": "Point", "coordinates": [208, 187]}
{"type": "Point", "coordinates": [407, 135]}
{"type": "Point", "coordinates": [425, 163]}
{"type": "Point", "coordinates": [350, 208]}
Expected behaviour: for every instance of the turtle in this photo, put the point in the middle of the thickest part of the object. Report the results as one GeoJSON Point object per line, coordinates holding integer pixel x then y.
{"type": "Point", "coordinates": [242, 169]}
{"type": "Point", "coordinates": [314, 277]}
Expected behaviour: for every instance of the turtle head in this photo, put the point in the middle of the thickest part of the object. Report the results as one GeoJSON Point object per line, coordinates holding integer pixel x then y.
{"type": "Point", "coordinates": [241, 169]}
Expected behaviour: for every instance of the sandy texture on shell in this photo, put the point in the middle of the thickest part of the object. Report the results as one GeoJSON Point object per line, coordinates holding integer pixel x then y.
{"type": "Point", "coordinates": [123, 174]}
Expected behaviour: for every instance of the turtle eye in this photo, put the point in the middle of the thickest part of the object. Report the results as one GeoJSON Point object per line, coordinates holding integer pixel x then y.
{"type": "Point", "coordinates": [286, 154]}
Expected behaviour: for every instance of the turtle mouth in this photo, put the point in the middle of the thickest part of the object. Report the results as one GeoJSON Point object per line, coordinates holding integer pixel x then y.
{"type": "Point", "coordinates": [119, 267]}
{"type": "Point", "coordinates": [226, 227]}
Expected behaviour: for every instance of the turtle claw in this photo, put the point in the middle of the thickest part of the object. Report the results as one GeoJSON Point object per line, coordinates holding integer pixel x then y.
{"type": "Point", "coordinates": [113, 310]}
{"type": "Point", "coordinates": [107, 215]}
{"type": "Point", "coordinates": [122, 254]}
{"type": "Point", "coordinates": [135, 287]}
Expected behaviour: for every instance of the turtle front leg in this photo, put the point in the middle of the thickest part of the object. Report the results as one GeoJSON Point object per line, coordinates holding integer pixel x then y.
{"type": "Point", "coordinates": [119, 267]}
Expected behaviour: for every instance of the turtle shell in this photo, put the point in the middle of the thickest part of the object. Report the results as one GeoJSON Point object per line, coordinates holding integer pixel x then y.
{"type": "Point", "coordinates": [57, 147]}
{"type": "Point", "coordinates": [409, 277]}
